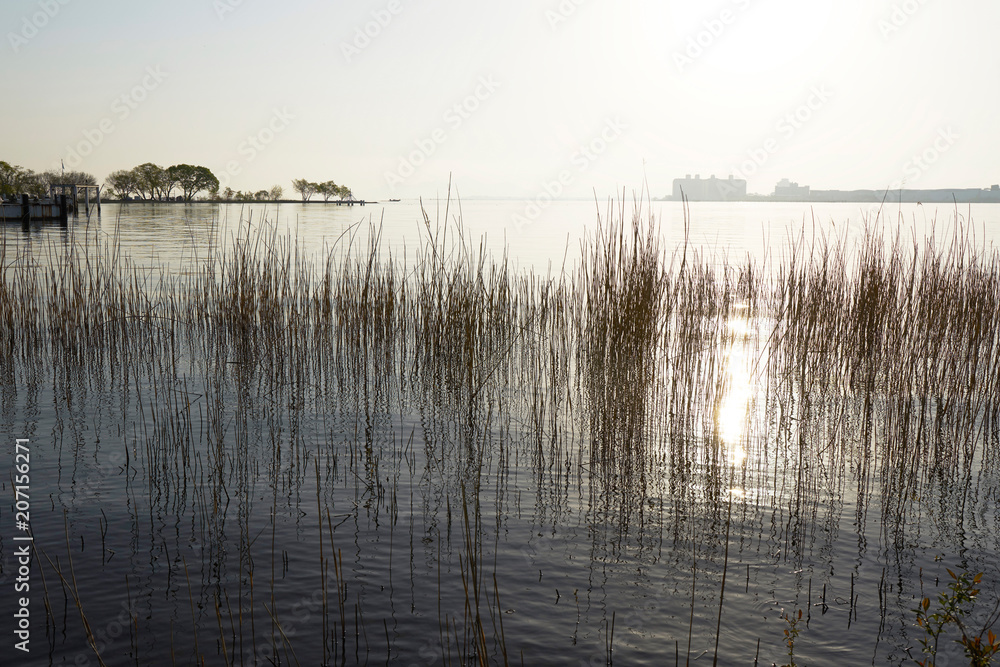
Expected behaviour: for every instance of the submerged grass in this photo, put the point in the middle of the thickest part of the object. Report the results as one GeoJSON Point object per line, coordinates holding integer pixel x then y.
{"type": "Point", "coordinates": [651, 384]}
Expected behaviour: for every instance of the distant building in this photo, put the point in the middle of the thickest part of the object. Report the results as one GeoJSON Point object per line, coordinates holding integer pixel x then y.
{"type": "Point", "coordinates": [735, 189]}
{"type": "Point", "coordinates": [787, 190]}
{"type": "Point", "coordinates": [710, 189]}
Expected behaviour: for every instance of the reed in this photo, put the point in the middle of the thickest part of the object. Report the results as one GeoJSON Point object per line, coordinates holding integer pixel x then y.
{"type": "Point", "coordinates": [611, 383]}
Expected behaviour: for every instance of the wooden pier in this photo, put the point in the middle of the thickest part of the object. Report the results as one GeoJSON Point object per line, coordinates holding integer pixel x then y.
{"type": "Point", "coordinates": [63, 199]}
{"type": "Point", "coordinates": [73, 190]}
{"type": "Point", "coordinates": [33, 209]}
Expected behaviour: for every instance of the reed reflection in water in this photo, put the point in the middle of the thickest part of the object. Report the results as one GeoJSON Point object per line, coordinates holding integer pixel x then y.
{"type": "Point", "coordinates": [443, 460]}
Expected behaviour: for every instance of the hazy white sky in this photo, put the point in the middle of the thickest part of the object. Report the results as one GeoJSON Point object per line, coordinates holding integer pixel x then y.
{"type": "Point", "coordinates": [513, 98]}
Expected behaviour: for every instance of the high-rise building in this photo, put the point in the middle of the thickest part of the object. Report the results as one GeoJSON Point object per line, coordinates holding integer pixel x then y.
{"type": "Point", "coordinates": [710, 189]}
{"type": "Point", "coordinates": [788, 190]}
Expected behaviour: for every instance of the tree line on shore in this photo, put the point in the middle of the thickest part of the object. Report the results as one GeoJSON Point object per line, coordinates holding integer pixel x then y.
{"type": "Point", "coordinates": [152, 182]}
{"type": "Point", "coordinates": [327, 189]}
{"type": "Point", "coordinates": [15, 180]}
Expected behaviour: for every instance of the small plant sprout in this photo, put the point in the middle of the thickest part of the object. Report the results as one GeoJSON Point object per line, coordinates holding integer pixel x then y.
{"type": "Point", "coordinates": [953, 608]}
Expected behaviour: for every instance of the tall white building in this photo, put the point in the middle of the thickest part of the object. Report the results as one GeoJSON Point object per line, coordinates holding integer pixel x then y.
{"type": "Point", "coordinates": [710, 189]}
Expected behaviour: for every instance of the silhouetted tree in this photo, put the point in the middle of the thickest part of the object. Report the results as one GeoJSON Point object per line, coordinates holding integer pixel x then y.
{"type": "Point", "coordinates": [304, 188]}
{"type": "Point", "coordinates": [327, 189]}
{"type": "Point", "coordinates": [192, 180]}
{"type": "Point", "coordinates": [150, 180]}
{"type": "Point", "coordinates": [122, 183]}
{"type": "Point", "coordinates": [57, 177]}
{"type": "Point", "coordinates": [15, 180]}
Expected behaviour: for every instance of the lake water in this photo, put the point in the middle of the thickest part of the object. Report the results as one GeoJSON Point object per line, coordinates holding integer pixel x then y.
{"type": "Point", "coordinates": [534, 236]}
{"type": "Point", "coordinates": [276, 496]}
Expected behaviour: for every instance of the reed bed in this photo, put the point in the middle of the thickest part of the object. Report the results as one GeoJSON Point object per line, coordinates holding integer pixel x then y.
{"type": "Point", "coordinates": [654, 398]}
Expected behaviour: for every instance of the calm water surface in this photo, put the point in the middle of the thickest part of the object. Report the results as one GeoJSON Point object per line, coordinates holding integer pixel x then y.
{"type": "Point", "coordinates": [361, 507]}
{"type": "Point", "coordinates": [534, 238]}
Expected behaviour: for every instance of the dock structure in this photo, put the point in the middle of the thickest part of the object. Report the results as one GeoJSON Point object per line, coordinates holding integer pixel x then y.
{"type": "Point", "coordinates": [73, 190]}
{"type": "Point", "coordinates": [29, 209]}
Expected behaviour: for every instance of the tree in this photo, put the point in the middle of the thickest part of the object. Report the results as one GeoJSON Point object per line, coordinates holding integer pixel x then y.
{"type": "Point", "coordinates": [122, 183]}
{"type": "Point", "coordinates": [32, 184]}
{"type": "Point", "coordinates": [228, 193]}
{"type": "Point", "coordinates": [344, 192]}
{"type": "Point", "coordinates": [10, 176]}
{"type": "Point", "coordinates": [167, 184]}
{"type": "Point", "coordinates": [15, 180]}
{"type": "Point", "coordinates": [53, 177]}
{"type": "Point", "coordinates": [327, 189]}
{"type": "Point", "coordinates": [260, 195]}
{"type": "Point", "coordinates": [304, 188]}
{"type": "Point", "coordinates": [150, 180]}
{"type": "Point", "coordinates": [276, 192]}
{"type": "Point", "coordinates": [192, 180]}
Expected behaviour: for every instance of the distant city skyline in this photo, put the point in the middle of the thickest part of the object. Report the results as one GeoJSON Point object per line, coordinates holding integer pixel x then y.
{"type": "Point", "coordinates": [531, 99]}
{"type": "Point", "coordinates": [729, 188]}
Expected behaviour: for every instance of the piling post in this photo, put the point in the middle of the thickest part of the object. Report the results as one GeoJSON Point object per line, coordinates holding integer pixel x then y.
{"type": "Point", "coordinates": [25, 212]}
{"type": "Point", "coordinates": [98, 201]}
{"type": "Point", "coordinates": [63, 212]}
{"type": "Point", "coordinates": [86, 200]}
{"type": "Point", "coordinates": [76, 201]}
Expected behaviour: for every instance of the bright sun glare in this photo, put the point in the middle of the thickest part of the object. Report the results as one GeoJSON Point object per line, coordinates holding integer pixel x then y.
{"type": "Point", "coordinates": [741, 37]}
{"type": "Point", "coordinates": [732, 415]}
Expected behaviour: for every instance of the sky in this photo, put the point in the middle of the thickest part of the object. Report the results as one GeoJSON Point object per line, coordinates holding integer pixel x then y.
{"type": "Point", "coordinates": [527, 99]}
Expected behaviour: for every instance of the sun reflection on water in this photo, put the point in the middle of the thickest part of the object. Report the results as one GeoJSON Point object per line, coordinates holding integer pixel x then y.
{"type": "Point", "coordinates": [732, 417]}
{"type": "Point", "coordinates": [735, 403]}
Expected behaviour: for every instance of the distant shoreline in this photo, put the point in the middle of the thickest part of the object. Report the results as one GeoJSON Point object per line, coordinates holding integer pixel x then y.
{"type": "Point", "coordinates": [160, 202]}
{"type": "Point", "coordinates": [808, 196]}
{"type": "Point", "coordinates": [944, 196]}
